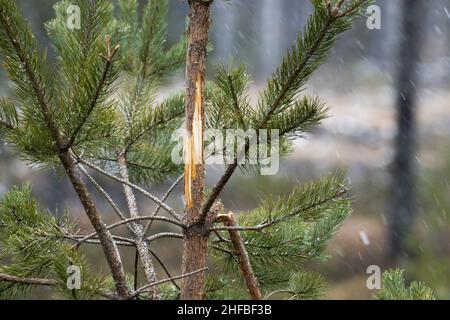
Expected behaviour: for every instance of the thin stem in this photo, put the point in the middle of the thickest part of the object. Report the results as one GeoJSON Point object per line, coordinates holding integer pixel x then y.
{"type": "Point", "coordinates": [166, 270]}
{"type": "Point", "coordinates": [164, 198]}
{"type": "Point", "coordinates": [276, 292]}
{"type": "Point", "coordinates": [218, 189]}
{"type": "Point", "coordinates": [126, 221]}
{"type": "Point", "coordinates": [164, 235]}
{"type": "Point", "coordinates": [136, 269]}
{"type": "Point", "coordinates": [142, 289]}
{"type": "Point", "coordinates": [30, 281]}
{"type": "Point", "coordinates": [260, 227]}
{"type": "Point", "coordinates": [141, 246]}
{"type": "Point", "coordinates": [242, 255]}
{"type": "Point", "coordinates": [137, 188]}
{"type": "Point", "coordinates": [108, 198]}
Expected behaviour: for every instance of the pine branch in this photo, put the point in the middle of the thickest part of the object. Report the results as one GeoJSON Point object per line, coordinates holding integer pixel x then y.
{"type": "Point", "coordinates": [28, 281]}
{"type": "Point", "coordinates": [141, 218]}
{"type": "Point", "coordinates": [108, 198]}
{"type": "Point", "coordinates": [164, 198]}
{"type": "Point", "coordinates": [218, 189]}
{"type": "Point", "coordinates": [310, 51]}
{"type": "Point", "coordinates": [265, 225]}
{"type": "Point", "coordinates": [146, 287]}
{"type": "Point", "coordinates": [10, 22]}
{"type": "Point", "coordinates": [15, 47]}
{"type": "Point", "coordinates": [108, 62]}
{"type": "Point", "coordinates": [108, 245]}
{"type": "Point", "coordinates": [164, 235]}
{"type": "Point", "coordinates": [135, 187]}
{"type": "Point", "coordinates": [242, 255]}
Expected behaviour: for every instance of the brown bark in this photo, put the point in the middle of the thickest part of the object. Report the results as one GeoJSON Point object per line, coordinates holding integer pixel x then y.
{"type": "Point", "coordinates": [196, 235]}
{"type": "Point", "coordinates": [242, 255]}
{"type": "Point", "coordinates": [110, 249]}
{"type": "Point", "coordinates": [137, 229]}
{"type": "Point", "coordinates": [107, 242]}
{"type": "Point", "coordinates": [30, 281]}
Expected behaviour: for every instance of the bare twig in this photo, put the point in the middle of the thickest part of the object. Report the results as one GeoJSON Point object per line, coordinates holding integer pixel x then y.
{"type": "Point", "coordinates": [144, 288]}
{"type": "Point", "coordinates": [30, 281]}
{"type": "Point", "coordinates": [164, 235]}
{"type": "Point", "coordinates": [136, 269]}
{"type": "Point", "coordinates": [135, 187]}
{"type": "Point", "coordinates": [166, 270]}
{"type": "Point", "coordinates": [242, 255]}
{"type": "Point", "coordinates": [103, 192]}
{"type": "Point", "coordinates": [80, 239]}
{"type": "Point", "coordinates": [164, 198]}
{"type": "Point", "coordinates": [218, 189]}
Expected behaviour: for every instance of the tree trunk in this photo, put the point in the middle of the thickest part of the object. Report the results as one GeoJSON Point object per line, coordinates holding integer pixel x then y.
{"type": "Point", "coordinates": [403, 198]}
{"type": "Point", "coordinates": [109, 247]}
{"type": "Point", "coordinates": [195, 243]}
{"type": "Point", "coordinates": [138, 231]}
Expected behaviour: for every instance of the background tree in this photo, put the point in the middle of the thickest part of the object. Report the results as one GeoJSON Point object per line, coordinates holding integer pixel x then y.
{"type": "Point", "coordinates": [403, 201]}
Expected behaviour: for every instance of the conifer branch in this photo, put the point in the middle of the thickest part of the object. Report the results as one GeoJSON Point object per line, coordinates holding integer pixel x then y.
{"type": "Point", "coordinates": [108, 198]}
{"type": "Point", "coordinates": [157, 283]}
{"type": "Point", "coordinates": [141, 218]}
{"type": "Point", "coordinates": [101, 84]}
{"type": "Point", "coordinates": [164, 267]}
{"type": "Point", "coordinates": [164, 198]}
{"type": "Point", "coordinates": [141, 246]}
{"type": "Point", "coordinates": [28, 281]}
{"type": "Point", "coordinates": [30, 72]}
{"type": "Point", "coordinates": [40, 282]}
{"type": "Point", "coordinates": [264, 225]}
{"type": "Point", "coordinates": [23, 56]}
{"type": "Point", "coordinates": [108, 245]}
{"type": "Point", "coordinates": [164, 235]}
{"type": "Point", "coordinates": [242, 256]}
{"type": "Point", "coordinates": [135, 187]}
{"type": "Point", "coordinates": [218, 189]}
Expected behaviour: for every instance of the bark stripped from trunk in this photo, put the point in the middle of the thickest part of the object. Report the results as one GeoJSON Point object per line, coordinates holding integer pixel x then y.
{"type": "Point", "coordinates": [244, 262]}
{"type": "Point", "coordinates": [196, 236]}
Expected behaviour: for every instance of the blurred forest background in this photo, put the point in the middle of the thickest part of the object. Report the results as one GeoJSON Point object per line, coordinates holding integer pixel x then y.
{"type": "Point", "coordinates": [389, 99]}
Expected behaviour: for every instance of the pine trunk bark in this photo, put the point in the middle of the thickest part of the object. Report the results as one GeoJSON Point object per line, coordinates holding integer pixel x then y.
{"type": "Point", "coordinates": [109, 247]}
{"type": "Point", "coordinates": [195, 244]}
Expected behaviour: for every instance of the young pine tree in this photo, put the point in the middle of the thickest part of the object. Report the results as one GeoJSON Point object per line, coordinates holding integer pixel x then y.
{"type": "Point", "coordinates": [96, 110]}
